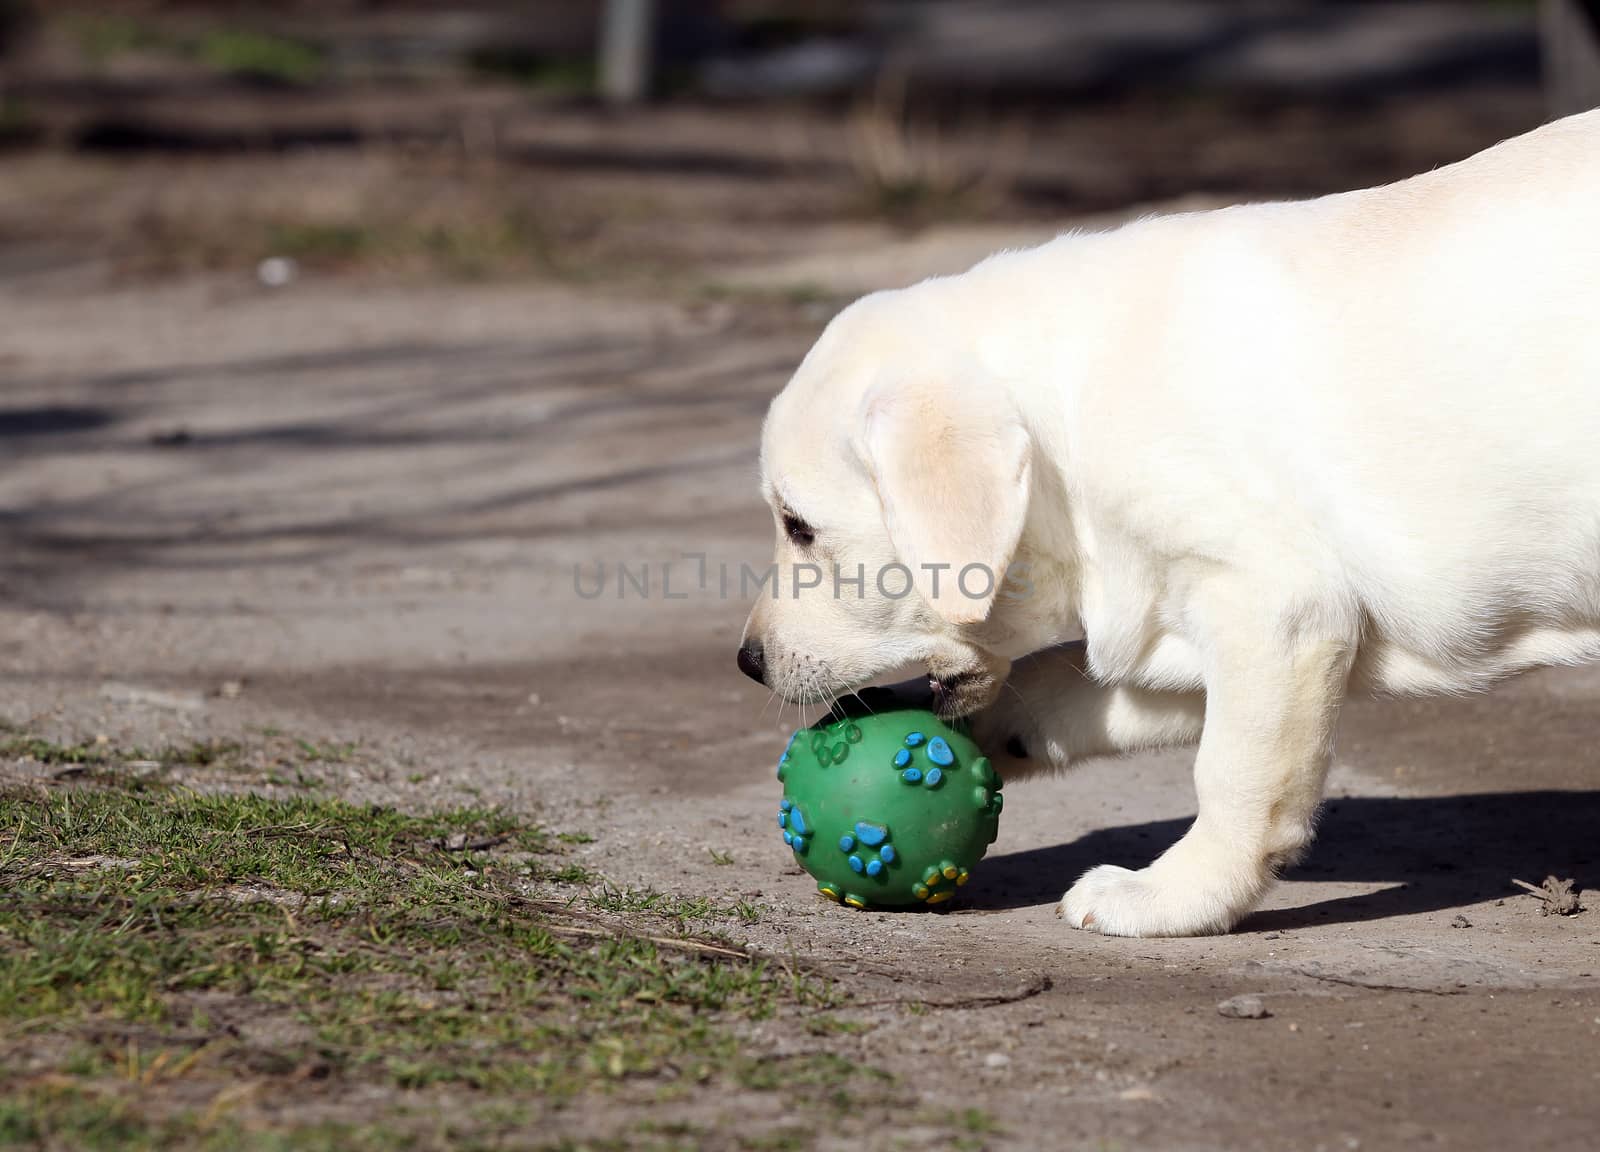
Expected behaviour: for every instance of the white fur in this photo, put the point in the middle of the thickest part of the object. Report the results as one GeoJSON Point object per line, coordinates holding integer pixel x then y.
{"type": "Point", "coordinates": [1264, 453]}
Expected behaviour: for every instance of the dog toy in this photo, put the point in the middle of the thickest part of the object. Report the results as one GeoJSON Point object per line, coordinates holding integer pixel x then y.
{"type": "Point", "coordinates": [887, 810]}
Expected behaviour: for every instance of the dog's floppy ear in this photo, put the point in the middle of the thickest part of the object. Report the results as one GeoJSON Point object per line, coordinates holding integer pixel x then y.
{"type": "Point", "coordinates": [953, 470]}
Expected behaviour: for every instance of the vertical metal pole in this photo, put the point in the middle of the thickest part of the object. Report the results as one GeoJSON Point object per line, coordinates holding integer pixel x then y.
{"type": "Point", "coordinates": [1570, 32]}
{"type": "Point", "coordinates": [626, 49]}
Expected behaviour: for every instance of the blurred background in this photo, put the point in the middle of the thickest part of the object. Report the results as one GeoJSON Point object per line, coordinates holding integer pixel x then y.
{"type": "Point", "coordinates": [659, 142]}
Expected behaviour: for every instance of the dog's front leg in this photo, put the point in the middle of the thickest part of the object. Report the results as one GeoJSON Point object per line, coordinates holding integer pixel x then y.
{"type": "Point", "coordinates": [1271, 701]}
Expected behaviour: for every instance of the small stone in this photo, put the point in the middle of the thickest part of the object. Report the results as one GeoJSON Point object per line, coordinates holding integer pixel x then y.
{"type": "Point", "coordinates": [996, 1060]}
{"type": "Point", "coordinates": [1243, 1008]}
{"type": "Point", "coordinates": [231, 689]}
{"type": "Point", "coordinates": [277, 271]}
{"type": "Point", "coordinates": [1461, 922]}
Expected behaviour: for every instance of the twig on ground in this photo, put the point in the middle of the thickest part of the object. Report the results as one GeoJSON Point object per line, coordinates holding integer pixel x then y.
{"type": "Point", "coordinates": [1560, 897]}
{"type": "Point", "coordinates": [1036, 986]}
{"type": "Point", "coordinates": [678, 943]}
{"type": "Point", "coordinates": [479, 845]}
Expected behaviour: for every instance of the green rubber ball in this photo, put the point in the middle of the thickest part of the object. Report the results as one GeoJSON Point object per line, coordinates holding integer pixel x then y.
{"type": "Point", "coordinates": [888, 810]}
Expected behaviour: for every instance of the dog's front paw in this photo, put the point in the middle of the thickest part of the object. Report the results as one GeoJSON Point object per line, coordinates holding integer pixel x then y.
{"type": "Point", "coordinates": [1120, 902]}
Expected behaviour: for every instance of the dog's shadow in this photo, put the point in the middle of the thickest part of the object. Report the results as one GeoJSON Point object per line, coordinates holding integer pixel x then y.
{"type": "Point", "coordinates": [1438, 852]}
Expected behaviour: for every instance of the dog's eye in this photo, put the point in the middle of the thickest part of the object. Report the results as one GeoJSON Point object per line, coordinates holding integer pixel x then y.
{"type": "Point", "coordinates": [797, 530]}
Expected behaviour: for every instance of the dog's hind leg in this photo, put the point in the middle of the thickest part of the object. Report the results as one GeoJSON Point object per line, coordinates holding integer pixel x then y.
{"type": "Point", "coordinates": [1051, 715]}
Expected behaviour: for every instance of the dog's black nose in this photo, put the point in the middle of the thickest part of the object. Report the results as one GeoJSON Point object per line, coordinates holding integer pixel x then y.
{"type": "Point", "coordinates": [753, 663]}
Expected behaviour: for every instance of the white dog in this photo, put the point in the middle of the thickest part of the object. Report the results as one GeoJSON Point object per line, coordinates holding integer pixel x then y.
{"type": "Point", "coordinates": [1251, 457]}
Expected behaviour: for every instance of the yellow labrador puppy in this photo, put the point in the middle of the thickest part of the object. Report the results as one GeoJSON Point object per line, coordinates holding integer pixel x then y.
{"type": "Point", "coordinates": [1250, 457]}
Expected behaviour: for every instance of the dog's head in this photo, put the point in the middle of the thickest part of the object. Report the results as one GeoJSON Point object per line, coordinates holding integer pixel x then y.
{"type": "Point", "coordinates": [899, 486]}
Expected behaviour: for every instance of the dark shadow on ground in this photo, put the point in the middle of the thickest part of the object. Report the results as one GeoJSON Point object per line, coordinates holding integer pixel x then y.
{"type": "Point", "coordinates": [400, 396]}
{"type": "Point", "coordinates": [52, 420]}
{"type": "Point", "coordinates": [1440, 852]}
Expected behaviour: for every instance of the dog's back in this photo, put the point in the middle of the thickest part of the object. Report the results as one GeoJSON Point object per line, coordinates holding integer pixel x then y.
{"type": "Point", "coordinates": [1391, 395]}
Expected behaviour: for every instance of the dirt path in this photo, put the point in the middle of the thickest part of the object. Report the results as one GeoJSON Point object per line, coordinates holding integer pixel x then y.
{"type": "Point", "coordinates": [363, 508]}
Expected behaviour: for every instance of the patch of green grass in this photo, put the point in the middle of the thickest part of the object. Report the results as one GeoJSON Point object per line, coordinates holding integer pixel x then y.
{"type": "Point", "coordinates": [105, 37]}
{"type": "Point", "coordinates": [783, 1140]}
{"type": "Point", "coordinates": [827, 1025]}
{"type": "Point", "coordinates": [68, 1117]}
{"type": "Point", "coordinates": [977, 1120]}
{"type": "Point", "coordinates": [98, 754]}
{"type": "Point", "coordinates": [367, 947]}
{"type": "Point", "coordinates": [51, 752]}
{"type": "Point", "coordinates": [201, 754]}
{"type": "Point", "coordinates": [970, 1129]}
{"type": "Point", "coordinates": [462, 244]}
{"type": "Point", "coordinates": [682, 909]}
{"type": "Point", "coordinates": [237, 52]}
{"type": "Point", "coordinates": [260, 56]}
{"type": "Point", "coordinates": [328, 752]}
{"type": "Point", "coordinates": [570, 77]}
{"type": "Point", "coordinates": [572, 874]}
{"type": "Point", "coordinates": [827, 1070]}
{"type": "Point", "coordinates": [319, 242]}
{"type": "Point", "coordinates": [17, 118]}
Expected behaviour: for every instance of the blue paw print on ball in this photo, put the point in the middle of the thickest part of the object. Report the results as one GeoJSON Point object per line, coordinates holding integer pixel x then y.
{"type": "Point", "coordinates": [796, 832]}
{"type": "Point", "coordinates": [859, 848]}
{"type": "Point", "coordinates": [937, 750]}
